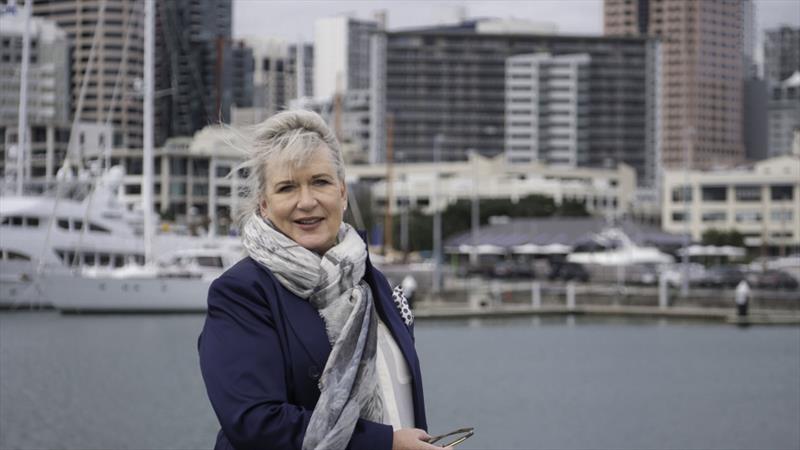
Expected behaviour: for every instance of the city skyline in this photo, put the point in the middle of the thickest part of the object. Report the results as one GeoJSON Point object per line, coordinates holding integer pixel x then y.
{"type": "Point", "coordinates": [292, 20]}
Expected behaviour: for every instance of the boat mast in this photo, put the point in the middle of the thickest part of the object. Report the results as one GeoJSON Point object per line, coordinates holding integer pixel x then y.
{"type": "Point", "coordinates": [22, 122]}
{"type": "Point", "coordinates": [147, 153]}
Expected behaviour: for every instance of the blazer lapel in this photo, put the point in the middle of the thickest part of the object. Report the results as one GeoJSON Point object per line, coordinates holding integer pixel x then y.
{"type": "Point", "coordinates": [384, 303]}
{"type": "Point", "coordinates": [306, 324]}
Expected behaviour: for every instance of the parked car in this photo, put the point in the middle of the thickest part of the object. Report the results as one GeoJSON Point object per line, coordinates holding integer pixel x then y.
{"type": "Point", "coordinates": [772, 279]}
{"type": "Point", "coordinates": [721, 276]}
{"type": "Point", "coordinates": [513, 269]}
{"type": "Point", "coordinates": [568, 271]}
{"type": "Point", "coordinates": [674, 274]}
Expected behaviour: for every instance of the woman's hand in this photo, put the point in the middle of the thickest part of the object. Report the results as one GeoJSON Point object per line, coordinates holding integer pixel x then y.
{"type": "Point", "coordinates": [411, 439]}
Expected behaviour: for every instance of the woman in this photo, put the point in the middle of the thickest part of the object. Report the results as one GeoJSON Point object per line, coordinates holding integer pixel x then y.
{"type": "Point", "coordinates": [303, 345]}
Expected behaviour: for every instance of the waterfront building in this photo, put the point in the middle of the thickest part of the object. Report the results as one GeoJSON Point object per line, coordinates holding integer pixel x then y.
{"type": "Point", "coordinates": [342, 54]}
{"type": "Point", "coordinates": [48, 71]}
{"type": "Point", "coordinates": [784, 115]}
{"type": "Point", "coordinates": [451, 81]}
{"type": "Point", "coordinates": [116, 32]}
{"type": "Point", "coordinates": [553, 236]}
{"type": "Point", "coordinates": [201, 72]}
{"type": "Point", "coordinates": [761, 201]}
{"type": "Point", "coordinates": [755, 126]}
{"type": "Point", "coordinates": [547, 100]}
{"type": "Point", "coordinates": [192, 182]}
{"type": "Point", "coordinates": [301, 64]}
{"type": "Point", "coordinates": [281, 74]}
{"type": "Point", "coordinates": [48, 108]}
{"type": "Point", "coordinates": [781, 53]}
{"type": "Point", "coordinates": [604, 192]}
{"type": "Point", "coordinates": [702, 68]}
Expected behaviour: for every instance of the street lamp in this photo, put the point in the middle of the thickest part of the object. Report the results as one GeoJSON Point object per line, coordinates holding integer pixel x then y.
{"type": "Point", "coordinates": [437, 215]}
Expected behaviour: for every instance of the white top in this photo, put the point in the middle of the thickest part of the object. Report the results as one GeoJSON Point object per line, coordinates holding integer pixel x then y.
{"type": "Point", "coordinates": [742, 292]}
{"type": "Point", "coordinates": [394, 380]}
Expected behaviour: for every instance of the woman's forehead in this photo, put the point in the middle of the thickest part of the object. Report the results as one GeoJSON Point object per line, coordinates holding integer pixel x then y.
{"type": "Point", "coordinates": [289, 165]}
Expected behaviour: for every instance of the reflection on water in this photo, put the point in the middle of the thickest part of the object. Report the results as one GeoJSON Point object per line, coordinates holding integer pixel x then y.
{"type": "Point", "coordinates": [133, 382]}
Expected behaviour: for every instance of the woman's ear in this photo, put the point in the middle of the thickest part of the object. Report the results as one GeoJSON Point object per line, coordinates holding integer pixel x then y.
{"type": "Point", "coordinates": [262, 208]}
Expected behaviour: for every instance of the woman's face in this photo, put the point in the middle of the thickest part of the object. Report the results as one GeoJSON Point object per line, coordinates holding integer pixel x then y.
{"type": "Point", "coordinates": [306, 203]}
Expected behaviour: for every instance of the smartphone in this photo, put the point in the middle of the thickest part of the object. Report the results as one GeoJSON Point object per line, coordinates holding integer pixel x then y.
{"type": "Point", "coordinates": [458, 436]}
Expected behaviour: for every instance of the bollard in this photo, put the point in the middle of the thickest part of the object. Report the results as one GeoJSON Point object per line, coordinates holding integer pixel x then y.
{"type": "Point", "coordinates": [536, 295]}
{"type": "Point", "coordinates": [570, 295]}
{"type": "Point", "coordinates": [663, 292]}
{"type": "Point", "coordinates": [497, 298]}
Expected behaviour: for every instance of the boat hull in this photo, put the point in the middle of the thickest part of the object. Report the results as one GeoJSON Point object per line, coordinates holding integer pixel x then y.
{"type": "Point", "coordinates": [70, 293]}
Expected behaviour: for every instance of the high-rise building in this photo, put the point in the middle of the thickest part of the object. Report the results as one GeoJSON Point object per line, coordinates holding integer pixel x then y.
{"type": "Point", "coordinates": [48, 72]}
{"type": "Point", "coordinates": [108, 39]}
{"type": "Point", "coordinates": [452, 81]}
{"type": "Point", "coordinates": [781, 53]}
{"type": "Point", "coordinates": [200, 71]}
{"type": "Point", "coordinates": [547, 100]}
{"type": "Point", "coordinates": [48, 111]}
{"type": "Point", "coordinates": [784, 115]}
{"type": "Point", "coordinates": [341, 54]}
{"type": "Point", "coordinates": [301, 64]}
{"type": "Point", "coordinates": [702, 68]}
{"type": "Point", "coordinates": [280, 74]}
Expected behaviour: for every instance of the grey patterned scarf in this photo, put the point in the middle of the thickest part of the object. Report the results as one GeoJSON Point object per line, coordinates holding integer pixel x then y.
{"type": "Point", "coordinates": [334, 285]}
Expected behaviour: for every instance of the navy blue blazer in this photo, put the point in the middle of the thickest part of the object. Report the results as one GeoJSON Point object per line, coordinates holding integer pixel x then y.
{"type": "Point", "coordinates": [262, 351]}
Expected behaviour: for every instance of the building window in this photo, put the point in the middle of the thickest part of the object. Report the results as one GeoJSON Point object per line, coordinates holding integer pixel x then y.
{"type": "Point", "coordinates": [222, 171]}
{"type": "Point", "coordinates": [748, 216]}
{"type": "Point", "coordinates": [781, 215]}
{"type": "Point", "coordinates": [177, 188]}
{"type": "Point", "coordinates": [680, 216]}
{"type": "Point", "coordinates": [748, 193]}
{"type": "Point", "coordinates": [682, 193]}
{"type": "Point", "coordinates": [780, 192]}
{"type": "Point", "coordinates": [178, 166]}
{"type": "Point", "coordinates": [714, 193]}
{"type": "Point", "coordinates": [714, 216]}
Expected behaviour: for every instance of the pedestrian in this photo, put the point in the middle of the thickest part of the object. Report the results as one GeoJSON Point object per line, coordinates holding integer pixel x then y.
{"type": "Point", "coordinates": [742, 297]}
{"type": "Point", "coordinates": [305, 344]}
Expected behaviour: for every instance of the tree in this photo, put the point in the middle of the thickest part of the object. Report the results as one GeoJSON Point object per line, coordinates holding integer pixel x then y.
{"type": "Point", "coordinates": [572, 208]}
{"type": "Point", "coordinates": [713, 236]}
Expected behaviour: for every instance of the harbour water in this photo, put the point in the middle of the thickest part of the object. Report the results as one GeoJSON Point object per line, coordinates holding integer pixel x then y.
{"type": "Point", "coordinates": [562, 383]}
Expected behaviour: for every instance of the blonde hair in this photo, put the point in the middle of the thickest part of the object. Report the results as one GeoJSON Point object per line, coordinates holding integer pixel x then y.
{"type": "Point", "coordinates": [291, 137]}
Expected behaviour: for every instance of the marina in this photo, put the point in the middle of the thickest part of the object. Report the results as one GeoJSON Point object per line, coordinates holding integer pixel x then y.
{"type": "Point", "coordinates": [555, 382]}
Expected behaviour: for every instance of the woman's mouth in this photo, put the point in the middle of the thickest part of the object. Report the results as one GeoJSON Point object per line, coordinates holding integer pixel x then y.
{"type": "Point", "coordinates": [308, 222]}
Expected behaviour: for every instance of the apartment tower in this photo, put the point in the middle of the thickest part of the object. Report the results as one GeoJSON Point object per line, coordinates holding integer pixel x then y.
{"type": "Point", "coordinates": [702, 73]}
{"type": "Point", "coordinates": [781, 53]}
{"type": "Point", "coordinates": [473, 86]}
{"type": "Point", "coordinates": [113, 89]}
{"type": "Point", "coordinates": [200, 70]}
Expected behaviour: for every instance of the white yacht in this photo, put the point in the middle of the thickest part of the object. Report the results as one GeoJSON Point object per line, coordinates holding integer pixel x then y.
{"type": "Point", "coordinates": [51, 233]}
{"type": "Point", "coordinates": [178, 282]}
{"type": "Point", "coordinates": [78, 230]}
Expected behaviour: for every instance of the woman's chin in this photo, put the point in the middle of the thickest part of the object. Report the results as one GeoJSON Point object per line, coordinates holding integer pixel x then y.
{"type": "Point", "coordinates": [314, 243]}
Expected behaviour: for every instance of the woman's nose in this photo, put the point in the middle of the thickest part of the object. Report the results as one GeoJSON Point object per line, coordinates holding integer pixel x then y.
{"type": "Point", "coordinates": [307, 199]}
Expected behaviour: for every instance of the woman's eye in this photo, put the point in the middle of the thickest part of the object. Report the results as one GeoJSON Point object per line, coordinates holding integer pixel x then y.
{"type": "Point", "coordinates": [321, 182]}
{"type": "Point", "coordinates": [284, 188]}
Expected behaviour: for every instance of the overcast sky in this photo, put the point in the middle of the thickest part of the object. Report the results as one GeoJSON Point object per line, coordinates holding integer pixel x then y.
{"type": "Point", "coordinates": [294, 19]}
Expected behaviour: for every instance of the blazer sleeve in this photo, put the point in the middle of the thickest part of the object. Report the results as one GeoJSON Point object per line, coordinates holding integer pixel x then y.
{"type": "Point", "coordinates": [243, 368]}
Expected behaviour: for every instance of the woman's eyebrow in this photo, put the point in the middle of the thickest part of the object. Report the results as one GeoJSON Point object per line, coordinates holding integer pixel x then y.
{"type": "Point", "coordinates": [282, 182]}
{"type": "Point", "coordinates": [322, 175]}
